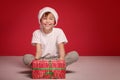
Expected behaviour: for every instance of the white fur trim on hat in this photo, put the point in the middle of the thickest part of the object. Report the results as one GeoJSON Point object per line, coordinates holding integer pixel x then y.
{"type": "Point", "coordinates": [48, 9]}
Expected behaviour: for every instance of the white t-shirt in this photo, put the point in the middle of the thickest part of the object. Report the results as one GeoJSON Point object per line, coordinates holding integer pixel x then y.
{"type": "Point", "coordinates": [49, 41]}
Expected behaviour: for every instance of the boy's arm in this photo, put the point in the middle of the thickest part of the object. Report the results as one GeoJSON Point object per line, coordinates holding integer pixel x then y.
{"type": "Point", "coordinates": [38, 51]}
{"type": "Point", "coordinates": [61, 51]}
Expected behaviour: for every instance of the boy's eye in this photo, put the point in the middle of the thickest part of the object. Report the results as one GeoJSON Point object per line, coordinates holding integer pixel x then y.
{"type": "Point", "coordinates": [51, 18]}
{"type": "Point", "coordinates": [44, 18]}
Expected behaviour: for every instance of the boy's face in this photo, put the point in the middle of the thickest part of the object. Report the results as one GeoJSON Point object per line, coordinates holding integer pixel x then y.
{"type": "Point", "coordinates": [48, 21]}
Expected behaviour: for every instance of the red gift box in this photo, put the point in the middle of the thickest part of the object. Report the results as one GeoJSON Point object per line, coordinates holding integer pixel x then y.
{"type": "Point", "coordinates": [48, 69]}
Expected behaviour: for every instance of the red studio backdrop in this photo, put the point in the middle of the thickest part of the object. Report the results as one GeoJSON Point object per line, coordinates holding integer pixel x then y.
{"type": "Point", "coordinates": [91, 26]}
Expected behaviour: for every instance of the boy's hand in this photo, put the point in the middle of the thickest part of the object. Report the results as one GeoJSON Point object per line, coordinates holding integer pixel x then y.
{"type": "Point", "coordinates": [37, 57]}
{"type": "Point", "coordinates": [61, 59]}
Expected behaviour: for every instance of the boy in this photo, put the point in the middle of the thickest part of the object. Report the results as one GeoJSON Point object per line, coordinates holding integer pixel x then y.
{"type": "Point", "coordinates": [49, 41]}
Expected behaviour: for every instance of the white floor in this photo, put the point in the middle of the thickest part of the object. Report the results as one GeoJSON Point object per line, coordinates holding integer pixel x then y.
{"type": "Point", "coordinates": [87, 68]}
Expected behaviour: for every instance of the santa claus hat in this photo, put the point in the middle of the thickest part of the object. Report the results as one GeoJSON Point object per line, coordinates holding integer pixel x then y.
{"type": "Point", "coordinates": [48, 9]}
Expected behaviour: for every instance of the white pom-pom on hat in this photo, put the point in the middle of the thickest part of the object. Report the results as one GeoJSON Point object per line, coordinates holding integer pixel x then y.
{"type": "Point", "coordinates": [48, 9]}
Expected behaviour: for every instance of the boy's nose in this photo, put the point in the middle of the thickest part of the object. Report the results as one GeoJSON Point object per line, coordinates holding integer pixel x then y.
{"type": "Point", "coordinates": [47, 20]}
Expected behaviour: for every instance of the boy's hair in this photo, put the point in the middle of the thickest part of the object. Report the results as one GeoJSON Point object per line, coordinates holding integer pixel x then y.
{"type": "Point", "coordinates": [46, 15]}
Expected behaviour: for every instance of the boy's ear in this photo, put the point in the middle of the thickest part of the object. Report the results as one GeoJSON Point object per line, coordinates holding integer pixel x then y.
{"type": "Point", "coordinates": [40, 20]}
{"type": "Point", "coordinates": [54, 22]}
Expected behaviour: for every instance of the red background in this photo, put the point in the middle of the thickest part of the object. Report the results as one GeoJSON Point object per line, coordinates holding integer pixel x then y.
{"type": "Point", "coordinates": [91, 26]}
